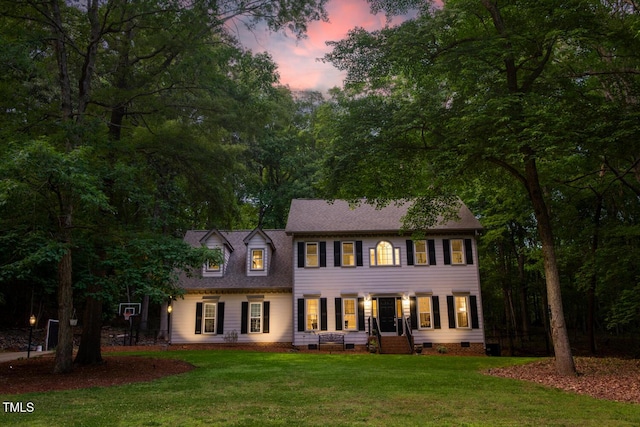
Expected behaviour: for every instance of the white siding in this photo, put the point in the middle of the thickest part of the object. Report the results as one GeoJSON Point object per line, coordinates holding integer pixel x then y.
{"type": "Point", "coordinates": [404, 280]}
{"type": "Point", "coordinates": [183, 320]}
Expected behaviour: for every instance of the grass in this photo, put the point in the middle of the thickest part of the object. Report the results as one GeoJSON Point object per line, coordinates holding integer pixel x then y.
{"type": "Point", "coordinates": [235, 388]}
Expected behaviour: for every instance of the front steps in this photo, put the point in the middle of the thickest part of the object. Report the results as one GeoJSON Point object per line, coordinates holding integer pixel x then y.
{"type": "Point", "coordinates": [395, 345]}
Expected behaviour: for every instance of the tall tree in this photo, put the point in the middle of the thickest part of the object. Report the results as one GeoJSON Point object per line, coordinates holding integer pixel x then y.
{"type": "Point", "coordinates": [475, 85]}
{"type": "Point", "coordinates": [283, 158]}
{"type": "Point", "coordinates": [103, 57]}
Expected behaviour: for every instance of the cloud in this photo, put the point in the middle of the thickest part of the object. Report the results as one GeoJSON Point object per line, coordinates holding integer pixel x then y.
{"type": "Point", "coordinates": [298, 60]}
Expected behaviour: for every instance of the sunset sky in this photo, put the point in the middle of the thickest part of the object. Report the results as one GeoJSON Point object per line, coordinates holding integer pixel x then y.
{"type": "Point", "coordinates": [298, 60]}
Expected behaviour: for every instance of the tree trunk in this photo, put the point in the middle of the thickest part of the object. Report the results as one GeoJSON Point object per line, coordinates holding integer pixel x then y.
{"type": "Point", "coordinates": [559, 334]}
{"type": "Point", "coordinates": [89, 352]}
{"type": "Point", "coordinates": [524, 309]}
{"type": "Point", "coordinates": [163, 333]}
{"type": "Point", "coordinates": [591, 291]}
{"type": "Point", "coordinates": [64, 350]}
{"type": "Point", "coordinates": [144, 314]}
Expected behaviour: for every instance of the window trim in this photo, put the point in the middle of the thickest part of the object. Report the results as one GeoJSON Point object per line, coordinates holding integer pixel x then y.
{"type": "Point", "coordinates": [416, 252]}
{"type": "Point", "coordinates": [396, 259]}
{"type": "Point", "coordinates": [420, 310]}
{"type": "Point", "coordinates": [457, 310]}
{"type": "Point", "coordinates": [463, 261]}
{"type": "Point", "coordinates": [259, 317]}
{"type": "Point", "coordinates": [352, 253]}
{"type": "Point", "coordinates": [355, 313]}
{"type": "Point", "coordinates": [252, 259]}
{"type": "Point", "coordinates": [306, 254]}
{"type": "Point", "coordinates": [205, 317]}
{"type": "Point", "coordinates": [307, 314]}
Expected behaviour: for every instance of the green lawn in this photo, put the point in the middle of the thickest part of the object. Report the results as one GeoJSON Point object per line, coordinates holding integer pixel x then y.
{"type": "Point", "coordinates": [238, 388]}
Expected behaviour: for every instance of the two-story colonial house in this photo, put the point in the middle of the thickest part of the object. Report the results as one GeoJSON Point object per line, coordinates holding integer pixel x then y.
{"type": "Point", "coordinates": [340, 269]}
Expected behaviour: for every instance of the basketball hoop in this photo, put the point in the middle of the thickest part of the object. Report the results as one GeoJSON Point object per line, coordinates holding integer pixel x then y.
{"type": "Point", "coordinates": [127, 315]}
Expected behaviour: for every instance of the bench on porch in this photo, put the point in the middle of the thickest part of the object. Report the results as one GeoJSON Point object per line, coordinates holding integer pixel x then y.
{"type": "Point", "coordinates": [331, 338]}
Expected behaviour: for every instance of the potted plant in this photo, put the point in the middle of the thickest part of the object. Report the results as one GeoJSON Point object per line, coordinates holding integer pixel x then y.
{"type": "Point", "coordinates": [372, 344]}
{"type": "Point", "coordinates": [74, 319]}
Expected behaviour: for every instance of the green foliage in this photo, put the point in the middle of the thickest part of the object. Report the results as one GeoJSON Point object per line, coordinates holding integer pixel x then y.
{"type": "Point", "coordinates": [116, 133]}
{"type": "Point", "coordinates": [489, 101]}
{"type": "Point", "coordinates": [146, 266]}
{"type": "Point", "coordinates": [283, 156]}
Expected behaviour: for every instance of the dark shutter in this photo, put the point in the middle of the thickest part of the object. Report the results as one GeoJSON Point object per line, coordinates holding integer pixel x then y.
{"type": "Point", "coordinates": [300, 254]}
{"type": "Point", "coordinates": [452, 311]}
{"type": "Point", "coordinates": [337, 260]}
{"type": "Point", "coordinates": [300, 314]}
{"type": "Point", "coordinates": [323, 314]}
{"type": "Point", "coordinates": [265, 317]}
{"type": "Point", "coordinates": [432, 251]}
{"type": "Point", "coordinates": [338, 314]}
{"type": "Point", "coordinates": [359, 254]}
{"type": "Point", "coordinates": [410, 252]}
{"type": "Point", "coordinates": [220, 320]}
{"type": "Point", "coordinates": [361, 325]}
{"type": "Point", "coordinates": [413, 306]}
{"type": "Point", "coordinates": [473, 302]}
{"type": "Point", "coordinates": [198, 318]}
{"type": "Point", "coordinates": [468, 253]}
{"type": "Point", "coordinates": [244, 317]}
{"type": "Point", "coordinates": [323, 254]}
{"type": "Point", "coordinates": [446, 249]}
{"type": "Point", "coordinates": [435, 307]}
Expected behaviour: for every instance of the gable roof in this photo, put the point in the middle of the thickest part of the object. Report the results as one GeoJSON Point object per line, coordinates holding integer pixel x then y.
{"type": "Point", "coordinates": [317, 216]}
{"type": "Point", "coordinates": [216, 232]}
{"type": "Point", "coordinates": [235, 279]}
{"type": "Point", "coordinates": [261, 233]}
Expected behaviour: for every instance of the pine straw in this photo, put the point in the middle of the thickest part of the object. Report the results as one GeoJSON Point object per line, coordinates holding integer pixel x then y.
{"type": "Point", "coordinates": [602, 378]}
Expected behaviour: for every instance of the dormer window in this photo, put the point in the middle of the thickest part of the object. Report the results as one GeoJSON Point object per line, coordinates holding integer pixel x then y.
{"type": "Point", "coordinates": [257, 259]}
{"type": "Point", "coordinates": [212, 266]}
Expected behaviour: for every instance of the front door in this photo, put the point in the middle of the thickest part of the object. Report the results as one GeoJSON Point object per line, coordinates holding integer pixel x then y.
{"type": "Point", "coordinates": [387, 314]}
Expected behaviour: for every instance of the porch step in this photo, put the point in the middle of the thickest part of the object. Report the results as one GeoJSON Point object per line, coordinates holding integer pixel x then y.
{"type": "Point", "coordinates": [395, 345]}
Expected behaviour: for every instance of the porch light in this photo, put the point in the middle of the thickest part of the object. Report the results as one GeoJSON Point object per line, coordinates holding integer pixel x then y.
{"type": "Point", "coordinates": [367, 302]}
{"type": "Point", "coordinates": [405, 302]}
{"type": "Point", "coordinates": [169, 309]}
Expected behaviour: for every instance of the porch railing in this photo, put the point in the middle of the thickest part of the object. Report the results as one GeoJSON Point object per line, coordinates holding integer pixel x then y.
{"type": "Point", "coordinates": [407, 331]}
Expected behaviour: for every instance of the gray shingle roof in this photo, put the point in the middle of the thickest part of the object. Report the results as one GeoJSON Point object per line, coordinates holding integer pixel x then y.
{"type": "Point", "coordinates": [278, 279]}
{"type": "Point", "coordinates": [317, 216]}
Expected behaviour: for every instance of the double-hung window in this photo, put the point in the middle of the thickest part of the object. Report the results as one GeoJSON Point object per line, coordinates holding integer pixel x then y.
{"type": "Point", "coordinates": [349, 313]}
{"type": "Point", "coordinates": [421, 252]}
{"type": "Point", "coordinates": [209, 318]}
{"type": "Point", "coordinates": [255, 317]}
{"type": "Point", "coordinates": [384, 254]}
{"type": "Point", "coordinates": [312, 311]}
{"type": "Point", "coordinates": [348, 254]}
{"type": "Point", "coordinates": [257, 259]}
{"type": "Point", "coordinates": [424, 312]}
{"type": "Point", "coordinates": [311, 254]}
{"type": "Point", "coordinates": [462, 311]}
{"type": "Point", "coordinates": [457, 251]}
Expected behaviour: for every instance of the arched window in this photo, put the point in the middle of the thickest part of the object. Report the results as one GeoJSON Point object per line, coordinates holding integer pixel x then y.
{"type": "Point", "coordinates": [384, 254]}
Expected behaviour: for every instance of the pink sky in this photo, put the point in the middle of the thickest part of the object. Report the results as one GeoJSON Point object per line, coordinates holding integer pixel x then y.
{"type": "Point", "coordinates": [297, 60]}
